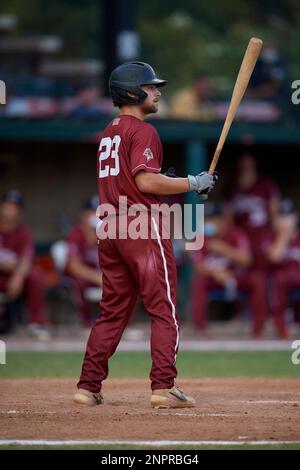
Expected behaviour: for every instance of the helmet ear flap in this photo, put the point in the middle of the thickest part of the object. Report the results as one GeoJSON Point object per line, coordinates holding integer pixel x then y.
{"type": "Point", "coordinates": [120, 94]}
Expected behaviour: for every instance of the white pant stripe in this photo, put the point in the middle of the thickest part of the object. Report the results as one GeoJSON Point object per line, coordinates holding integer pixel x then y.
{"type": "Point", "coordinates": [168, 286]}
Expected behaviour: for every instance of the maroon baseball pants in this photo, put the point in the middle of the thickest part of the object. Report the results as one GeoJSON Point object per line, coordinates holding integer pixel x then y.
{"type": "Point", "coordinates": [131, 267]}
{"type": "Point", "coordinates": [34, 295]}
{"type": "Point", "coordinates": [78, 288]}
{"type": "Point", "coordinates": [284, 281]}
{"type": "Point", "coordinates": [252, 282]}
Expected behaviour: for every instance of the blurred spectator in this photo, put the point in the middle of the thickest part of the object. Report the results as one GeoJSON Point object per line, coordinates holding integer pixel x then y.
{"type": "Point", "coordinates": [269, 75]}
{"type": "Point", "coordinates": [89, 104]}
{"type": "Point", "coordinates": [252, 203]}
{"type": "Point", "coordinates": [83, 263]}
{"type": "Point", "coordinates": [223, 263]}
{"type": "Point", "coordinates": [17, 276]}
{"type": "Point", "coordinates": [201, 102]}
{"type": "Point", "coordinates": [194, 102]}
{"type": "Point", "coordinates": [283, 252]}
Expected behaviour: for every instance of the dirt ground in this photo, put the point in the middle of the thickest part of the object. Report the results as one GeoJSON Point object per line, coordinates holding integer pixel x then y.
{"type": "Point", "coordinates": [227, 409]}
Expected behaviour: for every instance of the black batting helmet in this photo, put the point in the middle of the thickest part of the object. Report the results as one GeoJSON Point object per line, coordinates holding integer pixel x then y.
{"type": "Point", "coordinates": [129, 77]}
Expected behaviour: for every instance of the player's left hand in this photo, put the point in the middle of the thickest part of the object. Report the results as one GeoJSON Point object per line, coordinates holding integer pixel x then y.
{"type": "Point", "coordinates": [204, 194]}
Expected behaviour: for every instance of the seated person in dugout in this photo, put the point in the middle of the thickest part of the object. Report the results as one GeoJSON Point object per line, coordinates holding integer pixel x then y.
{"type": "Point", "coordinates": [252, 204]}
{"type": "Point", "coordinates": [282, 250]}
{"type": "Point", "coordinates": [83, 263]}
{"type": "Point", "coordinates": [17, 275]}
{"type": "Point", "coordinates": [224, 262]}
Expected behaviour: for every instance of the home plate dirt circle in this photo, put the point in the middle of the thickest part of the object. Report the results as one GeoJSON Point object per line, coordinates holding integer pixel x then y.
{"type": "Point", "coordinates": [235, 409]}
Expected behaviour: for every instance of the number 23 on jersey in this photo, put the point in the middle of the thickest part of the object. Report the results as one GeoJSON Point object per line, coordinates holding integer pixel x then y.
{"type": "Point", "coordinates": [109, 148]}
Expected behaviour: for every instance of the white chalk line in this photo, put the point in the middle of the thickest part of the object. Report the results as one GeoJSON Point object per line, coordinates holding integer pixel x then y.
{"type": "Point", "coordinates": [143, 345]}
{"type": "Point", "coordinates": [45, 442]}
{"type": "Point", "coordinates": [14, 412]}
{"type": "Point", "coordinates": [185, 415]}
{"type": "Point", "coordinates": [269, 402]}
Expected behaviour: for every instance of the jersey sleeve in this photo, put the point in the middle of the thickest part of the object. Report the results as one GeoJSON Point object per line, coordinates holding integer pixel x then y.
{"type": "Point", "coordinates": [145, 151]}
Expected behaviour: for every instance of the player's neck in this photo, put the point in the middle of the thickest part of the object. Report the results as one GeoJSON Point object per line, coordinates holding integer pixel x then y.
{"type": "Point", "coordinates": [134, 111]}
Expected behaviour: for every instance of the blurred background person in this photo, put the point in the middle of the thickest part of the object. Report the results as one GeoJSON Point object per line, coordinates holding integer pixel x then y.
{"type": "Point", "coordinates": [18, 277]}
{"type": "Point", "coordinates": [89, 103]}
{"type": "Point", "coordinates": [283, 253]}
{"type": "Point", "coordinates": [252, 204]}
{"type": "Point", "coordinates": [223, 263]}
{"type": "Point", "coordinates": [269, 76]}
{"type": "Point", "coordinates": [194, 102]}
{"type": "Point", "coordinates": [82, 260]}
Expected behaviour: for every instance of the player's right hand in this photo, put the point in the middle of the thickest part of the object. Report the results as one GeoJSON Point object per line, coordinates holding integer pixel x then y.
{"type": "Point", "coordinates": [202, 183]}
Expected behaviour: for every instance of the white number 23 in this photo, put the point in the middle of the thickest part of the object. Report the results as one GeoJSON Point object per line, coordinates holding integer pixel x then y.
{"type": "Point", "coordinates": [109, 148]}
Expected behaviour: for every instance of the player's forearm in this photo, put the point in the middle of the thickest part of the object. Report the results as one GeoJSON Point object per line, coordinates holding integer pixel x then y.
{"type": "Point", "coordinates": [22, 268]}
{"type": "Point", "coordinates": [8, 266]}
{"type": "Point", "coordinates": [78, 269]}
{"type": "Point", "coordinates": [201, 268]}
{"type": "Point", "coordinates": [277, 250]}
{"type": "Point", "coordinates": [161, 185]}
{"type": "Point", "coordinates": [243, 258]}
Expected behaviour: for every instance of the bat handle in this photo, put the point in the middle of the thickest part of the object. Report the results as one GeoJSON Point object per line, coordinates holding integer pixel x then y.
{"type": "Point", "coordinates": [214, 161]}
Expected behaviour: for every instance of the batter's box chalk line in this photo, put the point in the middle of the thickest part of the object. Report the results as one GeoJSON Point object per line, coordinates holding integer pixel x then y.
{"type": "Point", "coordinates": [33, 442]}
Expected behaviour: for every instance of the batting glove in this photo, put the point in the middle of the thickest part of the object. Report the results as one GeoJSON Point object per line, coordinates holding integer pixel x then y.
{"type": "Point", "coordinates": [202, 183]}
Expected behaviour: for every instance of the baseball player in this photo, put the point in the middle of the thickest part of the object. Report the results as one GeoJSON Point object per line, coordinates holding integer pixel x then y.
{"type": "Point", "coordinates": [82, 268]}
{"type": "Point", "coordinates": [129, 164]}
{"type": "Point", "coordinates": [283, 252]}
{"type": "Point", "coordinates": [17, 274]}
{"type": "Point", "coordinates": [224, 262]}
{"type": "Point", "coordinates": [253, 204]}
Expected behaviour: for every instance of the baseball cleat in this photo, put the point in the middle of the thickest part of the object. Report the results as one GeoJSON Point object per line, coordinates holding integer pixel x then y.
{"type": "Point", "coordinates": [171, 398]}
{"type": "Point", "coordinates": [84, 397]}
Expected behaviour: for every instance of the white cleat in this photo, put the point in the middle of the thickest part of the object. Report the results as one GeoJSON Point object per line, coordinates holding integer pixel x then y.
{"type": "Point", "coordinates": [171, 398]}
{"type": "Point", "coordinates": [84, 397]}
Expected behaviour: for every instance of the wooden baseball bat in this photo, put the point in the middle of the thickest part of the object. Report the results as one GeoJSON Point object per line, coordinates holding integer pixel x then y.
{"type": "Point", "coordinates": [246, 69]}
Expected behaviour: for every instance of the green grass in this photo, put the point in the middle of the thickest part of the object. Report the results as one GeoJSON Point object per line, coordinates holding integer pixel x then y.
{"type": "Point", "coordinates": [126, 447]}
{"type": "Point", "coordinates": [191, 364]}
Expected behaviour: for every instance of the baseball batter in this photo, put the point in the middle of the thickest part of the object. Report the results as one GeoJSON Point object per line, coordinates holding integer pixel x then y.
{"type": "Point", "coordinates": [129, 164]}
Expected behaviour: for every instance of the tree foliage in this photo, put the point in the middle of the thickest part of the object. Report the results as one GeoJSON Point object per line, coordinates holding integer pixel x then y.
{"type": "Point", "coordinates": [182, 39]}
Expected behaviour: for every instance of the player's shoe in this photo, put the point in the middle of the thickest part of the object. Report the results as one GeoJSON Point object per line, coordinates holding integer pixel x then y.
{"type": "Point", "coordinates": [38, 332]}
{"type": "Point", "coordinates": [84, 397]}
{"type": "Point", "coordinates": [171, 398]}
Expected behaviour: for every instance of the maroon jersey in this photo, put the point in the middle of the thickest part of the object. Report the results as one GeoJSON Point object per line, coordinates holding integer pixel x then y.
{"type": "Point", "coordinates": [234, 237]}
{"type": "Point", "coordinates": [79, 247]}
{"type": "Point", "coordinates": [127, 146]}
{"type": "Point", "coordinates": [251, 206]}
{"type": "Point", "coordinates": [16, 245]}
{"type": "Point", "coordinates": [291, 257]}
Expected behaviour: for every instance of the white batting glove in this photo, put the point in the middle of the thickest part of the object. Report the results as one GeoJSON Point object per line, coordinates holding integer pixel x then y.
{"type": "Point", "coordinates": [202, 183]}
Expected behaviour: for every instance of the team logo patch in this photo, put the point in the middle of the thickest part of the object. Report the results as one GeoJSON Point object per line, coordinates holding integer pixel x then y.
{"type": "Point", "coordinates": [148, 154]}
{"type": "Point", "coordinates": [116, 121]}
